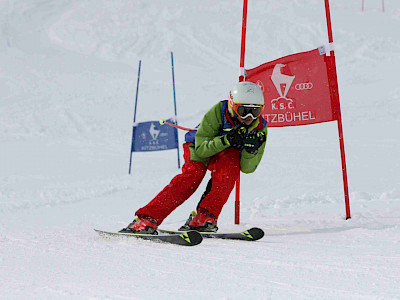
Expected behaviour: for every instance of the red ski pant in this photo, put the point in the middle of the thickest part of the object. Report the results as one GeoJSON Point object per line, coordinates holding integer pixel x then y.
{"type": "Point", "coordinates": [225, 169]}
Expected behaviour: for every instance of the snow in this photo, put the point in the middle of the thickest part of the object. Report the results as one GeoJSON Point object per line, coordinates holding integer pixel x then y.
{"type": "Point", "coordinates": [67, 83]}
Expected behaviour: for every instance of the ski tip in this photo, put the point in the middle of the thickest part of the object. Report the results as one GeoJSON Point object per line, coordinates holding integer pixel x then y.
{"type": "Point", "coordinates": [192, 238]}
{"type": "Point", "coordinates": [99, 231]}
{"type": "Point", "coordinates": [189, 238]}
{"type": "Point", "coordinates": [255, 233]}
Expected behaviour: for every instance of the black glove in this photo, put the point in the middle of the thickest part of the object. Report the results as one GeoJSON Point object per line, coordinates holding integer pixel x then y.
{"type": "Point", "coordinates": [253, 141]}
{"type": "Point", "coordinates": [236, 136]}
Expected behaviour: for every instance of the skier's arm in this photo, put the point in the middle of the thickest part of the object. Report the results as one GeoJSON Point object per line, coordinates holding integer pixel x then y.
{"type": "Point", "coordinates": [207, 141]}
{"type": "Point", "coordinates": [249, 162]}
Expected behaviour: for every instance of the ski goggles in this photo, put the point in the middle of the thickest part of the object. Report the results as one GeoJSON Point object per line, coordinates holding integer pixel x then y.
{"type": "Point", "coordinates": [246, 110]}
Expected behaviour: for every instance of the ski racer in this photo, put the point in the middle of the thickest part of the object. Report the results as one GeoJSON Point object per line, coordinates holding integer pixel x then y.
{"type": "Point", "coordinates": [230, 138]}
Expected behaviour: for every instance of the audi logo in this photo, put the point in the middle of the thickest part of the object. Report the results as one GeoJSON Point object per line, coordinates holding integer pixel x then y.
{"type": "Point", "coordinates": [303, 86]}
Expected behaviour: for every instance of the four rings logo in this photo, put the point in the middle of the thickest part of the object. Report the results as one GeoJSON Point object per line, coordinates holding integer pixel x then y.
{"type": "Point", "coordinates": [303, 86]}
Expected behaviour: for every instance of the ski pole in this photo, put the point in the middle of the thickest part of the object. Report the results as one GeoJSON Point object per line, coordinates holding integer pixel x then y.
{"type": "Point", "coordinates": [163, 121]}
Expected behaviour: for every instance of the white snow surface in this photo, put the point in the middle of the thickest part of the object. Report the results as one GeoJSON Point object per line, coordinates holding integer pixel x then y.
{"type": "Point", "coordinates": [68, 72]}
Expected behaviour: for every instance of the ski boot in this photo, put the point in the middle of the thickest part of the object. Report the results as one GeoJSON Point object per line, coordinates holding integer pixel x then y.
{"type": "Point", "coordinates": [203, 221]}
{"type": "Point", "coordinates": [145, 225]}
{"type": "Point", "coordinates": [186, 226]}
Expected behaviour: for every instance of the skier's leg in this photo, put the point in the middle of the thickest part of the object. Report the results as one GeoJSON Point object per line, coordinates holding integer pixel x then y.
{"type": "Point", "coordinates": [177, 191]}
{"type": "Point", "coordinates": [225, 168]}
{"type": "Point", "coordinates": [208, 189]}
{"type": "Point", "coordinates": [193, 213]}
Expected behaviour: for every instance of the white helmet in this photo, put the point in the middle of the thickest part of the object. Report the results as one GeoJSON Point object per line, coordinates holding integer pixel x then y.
{"type": "Point", "coordinates": [246, 92]}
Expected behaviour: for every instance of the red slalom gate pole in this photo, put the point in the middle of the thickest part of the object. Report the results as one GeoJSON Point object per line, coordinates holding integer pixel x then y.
{"type": "Point", "coordinates": [338, 112]}
{"type": "Point", "coordinates": [237, 201]}
{"type": "Point", "coordinates": [243, 43]}
{"type": "Point", "coordinates": [241, 78]}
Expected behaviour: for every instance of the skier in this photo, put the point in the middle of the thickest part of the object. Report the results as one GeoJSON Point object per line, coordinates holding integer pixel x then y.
{"type": "Point", "coordinates": [230, 138]}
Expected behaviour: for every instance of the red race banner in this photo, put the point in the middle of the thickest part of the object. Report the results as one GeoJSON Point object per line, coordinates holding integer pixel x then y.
{"type": "Point", "coordinates": [296, 89]}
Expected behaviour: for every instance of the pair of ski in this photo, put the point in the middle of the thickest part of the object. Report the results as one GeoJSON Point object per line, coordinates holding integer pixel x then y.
{"type": "Point", "coordinates": [188, 238]}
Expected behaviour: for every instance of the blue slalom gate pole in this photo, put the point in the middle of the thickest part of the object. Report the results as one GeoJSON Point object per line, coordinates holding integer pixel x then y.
{"type": "Point", "coordinates": [176, 115]}
{"type": "Point", "coordinates": [137, 91]}
{"type": "Point", "coordinates": [134, 116]}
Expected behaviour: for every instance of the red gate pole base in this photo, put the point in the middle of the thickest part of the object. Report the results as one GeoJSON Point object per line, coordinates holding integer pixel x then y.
{"type": "Point", "coordinates": [237, 201]}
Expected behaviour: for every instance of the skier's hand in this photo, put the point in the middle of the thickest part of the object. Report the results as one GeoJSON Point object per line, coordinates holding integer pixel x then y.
{"type": "Point", "coordinates": [236, 136]}
{"type": "Point", "coordinates": [253, 141]}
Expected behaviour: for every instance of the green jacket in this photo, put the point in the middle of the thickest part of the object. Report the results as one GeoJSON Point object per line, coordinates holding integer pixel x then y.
{"type": "Point", "coordinates": [208, 141]}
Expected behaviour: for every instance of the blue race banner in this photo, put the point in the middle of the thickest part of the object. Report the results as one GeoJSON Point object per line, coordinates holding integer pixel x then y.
{"type": "Point", "coordinates": [152, 136]}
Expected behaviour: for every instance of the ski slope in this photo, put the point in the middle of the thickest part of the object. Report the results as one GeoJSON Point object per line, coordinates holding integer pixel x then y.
{"type": "Point", "coordinates": [68, 72]}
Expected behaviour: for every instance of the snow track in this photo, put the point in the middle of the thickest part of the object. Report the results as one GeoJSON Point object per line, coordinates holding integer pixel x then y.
{"type": "Point", "coordinates": [67, 83]}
